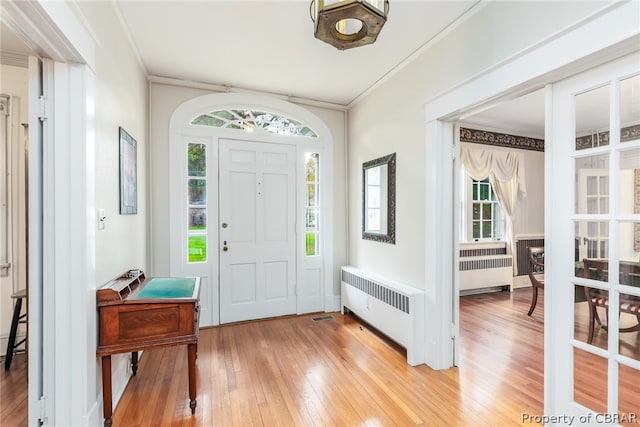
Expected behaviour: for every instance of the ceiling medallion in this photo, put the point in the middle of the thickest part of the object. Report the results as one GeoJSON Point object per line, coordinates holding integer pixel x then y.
{"type": "Point", "coordinates": [348, 23]}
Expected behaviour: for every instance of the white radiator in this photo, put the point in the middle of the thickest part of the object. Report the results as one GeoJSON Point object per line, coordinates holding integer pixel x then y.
{"type": "Point", "coordinates": [395, 309]}
{"type": "Point", "coordinates": [486, 271]}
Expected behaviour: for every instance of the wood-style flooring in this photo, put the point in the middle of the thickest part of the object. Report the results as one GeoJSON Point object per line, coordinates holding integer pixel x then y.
{"type": "Point", "coordinates": [295, 371]}
{"type": "Point", "coordinates": [13, 393]}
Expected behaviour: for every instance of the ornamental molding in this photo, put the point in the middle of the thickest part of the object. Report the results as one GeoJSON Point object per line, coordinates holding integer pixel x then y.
{"type": "Point", "coordinates": [476, 136]}
{"type": "Point", "coordinates": [630, 133]}
{"type": "Point", "coordinates": [598, 139]}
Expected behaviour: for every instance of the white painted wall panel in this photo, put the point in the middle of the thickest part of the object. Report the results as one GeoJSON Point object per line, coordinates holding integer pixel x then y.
{"type": "Point", "coordinates": [391, 119]}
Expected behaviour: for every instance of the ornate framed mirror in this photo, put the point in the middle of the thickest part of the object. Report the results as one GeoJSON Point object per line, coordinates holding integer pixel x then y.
{"type": "Point", "coordinates": [379, 199]}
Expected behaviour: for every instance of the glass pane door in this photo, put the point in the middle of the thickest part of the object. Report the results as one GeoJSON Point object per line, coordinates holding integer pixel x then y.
{"type": "Point", "coordinates": [593, 351]}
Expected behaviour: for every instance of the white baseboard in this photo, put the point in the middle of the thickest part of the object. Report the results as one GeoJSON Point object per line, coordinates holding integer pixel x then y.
{"type": "Point", "coordinates": [332, 303]}
{"type": "Point", "coordinates": [95, 414]}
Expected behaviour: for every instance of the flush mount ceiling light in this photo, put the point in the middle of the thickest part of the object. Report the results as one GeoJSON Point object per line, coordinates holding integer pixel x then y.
{"type": "Point", "coordinates": [348, 23]}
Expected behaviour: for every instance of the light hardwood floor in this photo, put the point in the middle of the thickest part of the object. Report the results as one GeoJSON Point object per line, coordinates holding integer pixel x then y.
{"type": "Point", "coordinates": [13, 393]}
{"type": "Point", "coordinates": [295, 371]}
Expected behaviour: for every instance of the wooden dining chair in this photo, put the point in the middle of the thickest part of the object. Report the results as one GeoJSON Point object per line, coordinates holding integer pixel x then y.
{"type": "Point", "coordinates": [536, 268]}
{"type": "Point", "coordinates": [597, 269]}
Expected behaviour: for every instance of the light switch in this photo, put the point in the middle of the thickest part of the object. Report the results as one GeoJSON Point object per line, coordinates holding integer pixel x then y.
{"type": "Point", "coordinates": [102, 219]}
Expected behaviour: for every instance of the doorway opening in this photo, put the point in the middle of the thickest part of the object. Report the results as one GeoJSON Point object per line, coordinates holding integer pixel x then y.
{"type": "Point", "coordinates": [496, 228]}
{"type": "Point", "coordinates": [14, 114]}
{"type": "Point", "coordinates": [264, 186]}
{"type": "Point", "coordinates": [597, 182]}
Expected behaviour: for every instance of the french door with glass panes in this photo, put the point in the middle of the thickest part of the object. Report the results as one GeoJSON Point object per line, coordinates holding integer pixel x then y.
{"type": "Point", "coordinates": [592, 228]}
{"type": "Point", "coordinates": [593, 236]}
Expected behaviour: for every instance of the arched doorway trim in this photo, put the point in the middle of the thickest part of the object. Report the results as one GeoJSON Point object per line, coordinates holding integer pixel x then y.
{"type": "Point", "coordinates": [315, 270]}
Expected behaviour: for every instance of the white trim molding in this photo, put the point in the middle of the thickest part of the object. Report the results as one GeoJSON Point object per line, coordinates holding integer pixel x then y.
{"type": "Point", "coordinates": [38, 24]}
{"type": "Point", "coordinates": [180, 128]}
{"type": "Point", "coordinates": [608, 34]}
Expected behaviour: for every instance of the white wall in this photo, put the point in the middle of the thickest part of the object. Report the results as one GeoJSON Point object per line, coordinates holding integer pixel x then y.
{"type": "Point", "coordinates": [14, 82]}
{"type": "Point", "coordinates": [117, 96]}
{"type": "Point", "coordinates": [121, 100]}
{"type": "Point", "coordinates": [121, 95]}
{"type": "Point", "coordinates": [529, 217]}
{"type": "Point", "coordinates": [391, 119]}
{"type": "Point", "coordinates": [164, 99]}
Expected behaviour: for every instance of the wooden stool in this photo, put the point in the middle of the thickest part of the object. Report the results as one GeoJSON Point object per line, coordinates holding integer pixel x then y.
{"type": "Point", "coordinates": [17, 319]}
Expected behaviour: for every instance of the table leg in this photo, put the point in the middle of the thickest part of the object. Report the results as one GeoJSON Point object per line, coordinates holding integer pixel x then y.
{"type": "Point", "coordinates": [106, 390]}
{"type": "Point", "coordinates": [134, 362]}
{"type": "Point", "coordinates": [191, 349]}
{"type": "Point", "coordinates": [12, 334]}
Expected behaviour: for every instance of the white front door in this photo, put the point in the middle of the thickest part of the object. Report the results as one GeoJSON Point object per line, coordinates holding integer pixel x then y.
{"type": "Point", "coordinates": [256, 230]}
{"type": "Point", "coordinates": [593, 193]}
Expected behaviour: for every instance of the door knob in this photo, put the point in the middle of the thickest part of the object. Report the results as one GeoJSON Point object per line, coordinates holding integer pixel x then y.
{"type": "Point", "coordinates": [224, 246]}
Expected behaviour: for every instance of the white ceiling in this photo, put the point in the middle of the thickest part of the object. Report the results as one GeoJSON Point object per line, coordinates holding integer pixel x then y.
{"type": "Point", "coordinates": [269, 46]}
{"type": "Point", "coordinates": [523, 116]}
{"type": "Point", "coordinates": [10, 43]}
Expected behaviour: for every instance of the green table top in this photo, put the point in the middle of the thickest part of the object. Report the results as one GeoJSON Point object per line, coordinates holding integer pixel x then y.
{"type": "Point", "coordinates": [168, 287]}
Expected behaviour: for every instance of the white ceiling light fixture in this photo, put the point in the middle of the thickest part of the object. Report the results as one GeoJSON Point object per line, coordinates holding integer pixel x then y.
{"type": "Point", "coordinates": [348, 23]}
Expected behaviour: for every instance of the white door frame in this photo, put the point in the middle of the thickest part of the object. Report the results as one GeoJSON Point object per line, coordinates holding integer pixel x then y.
{"type": "Point", "coordinates": [61, 194]}
{"type": "Point", "coordinates": [37, 373]}
{"type": "Point", "coordinates": [180, 130]}
{"type": "Point", "coordinates": [609, 33]}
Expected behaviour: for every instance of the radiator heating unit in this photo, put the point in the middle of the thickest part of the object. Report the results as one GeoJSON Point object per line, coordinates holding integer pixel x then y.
{"type": "Point", "coordinates": [393, 308]}
{"type": "Point", "coordinates": [523, 243]}
{"type": "Point", "coordinates": [485, 267]}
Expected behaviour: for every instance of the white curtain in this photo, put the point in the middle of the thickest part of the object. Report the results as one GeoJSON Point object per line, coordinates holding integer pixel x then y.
{"type": "Point", "coordinates": [505, 170]}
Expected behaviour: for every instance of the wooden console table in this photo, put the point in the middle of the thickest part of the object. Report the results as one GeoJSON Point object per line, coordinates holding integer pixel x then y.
{"type": "Point", "coordinates": [138, 313]}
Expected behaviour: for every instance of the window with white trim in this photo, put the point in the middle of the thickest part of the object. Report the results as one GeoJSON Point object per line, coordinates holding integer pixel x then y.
{"type": "Point", "coordinates": [197, 202]}
{"type": "Point", "coordinates": [484, 219]}
{"type": "Point", "coordinates": [312, 204]}
{"type": "Point", "coordinates": [253, 120]}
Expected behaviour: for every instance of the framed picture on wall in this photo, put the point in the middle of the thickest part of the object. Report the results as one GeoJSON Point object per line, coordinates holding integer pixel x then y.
{"type": "Point", "coordinates": [128, 174]}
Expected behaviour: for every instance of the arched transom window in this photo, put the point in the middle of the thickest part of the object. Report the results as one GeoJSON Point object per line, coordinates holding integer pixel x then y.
{"type": "Point", "coordinates": [251, 120]}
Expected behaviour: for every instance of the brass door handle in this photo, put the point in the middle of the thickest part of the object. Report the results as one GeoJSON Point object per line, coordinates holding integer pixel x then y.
{"type": "Point", "coordinates": [224, 247]}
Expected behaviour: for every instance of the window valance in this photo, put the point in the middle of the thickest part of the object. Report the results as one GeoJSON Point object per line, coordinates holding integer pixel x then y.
{"type": "Point", "coordinates": [498, 165]}
{"type": "Point", "coordinates": [506, 173]}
